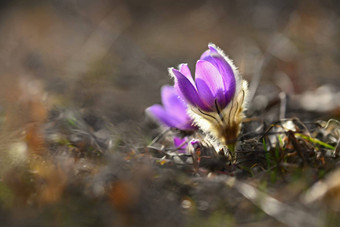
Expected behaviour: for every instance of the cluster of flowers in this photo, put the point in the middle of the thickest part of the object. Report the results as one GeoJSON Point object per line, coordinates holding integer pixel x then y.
{"type": "Point", "coordinates": [213, 102]}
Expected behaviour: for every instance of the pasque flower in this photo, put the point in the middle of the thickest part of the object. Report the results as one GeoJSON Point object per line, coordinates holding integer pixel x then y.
{"type": "Point", "coordinates": [173, 113]}
{"type": "Point", "coordinates": [181, 144]}
{"type": "Point", "coordinates": [216, 97]}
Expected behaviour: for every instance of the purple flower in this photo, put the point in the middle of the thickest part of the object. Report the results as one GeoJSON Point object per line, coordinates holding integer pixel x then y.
{"type": "Point", "coordinates": [181, 144]}
{"type": "Point", "coordinates": [173, 113]}
{"type": "Point", "coordinates": [215, 81]}
{"type": "Point", "coordinates": [215, 98]}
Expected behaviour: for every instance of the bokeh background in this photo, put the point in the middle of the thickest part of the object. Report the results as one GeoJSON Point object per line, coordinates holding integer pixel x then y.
{"type": "Point", "coordinates": [105, 59]}
{"type": "Point", "coordinates": [112, 56]}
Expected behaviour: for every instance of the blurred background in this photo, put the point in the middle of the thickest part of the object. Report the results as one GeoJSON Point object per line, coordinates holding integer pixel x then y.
{"type": "Point", "coordinates": [77, 75]}
{"type": "Point", "coordinates": [111, 57]}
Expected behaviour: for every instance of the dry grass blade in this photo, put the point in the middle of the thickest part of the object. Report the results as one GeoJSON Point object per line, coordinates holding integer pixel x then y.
{"type": "Point", "coordinates": [326, 190]}
{"type": "Point", "coordinates": [282, 212]}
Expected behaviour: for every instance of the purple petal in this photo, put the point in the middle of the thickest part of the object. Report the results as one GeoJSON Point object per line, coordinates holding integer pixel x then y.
{"type": "Point", "coordinates": [208, 52]}
{"type": "Point", "coordinates": [171, 119]}
{"type": "Point", "coordinates": [205, 94]}
{"type": "Point", "coordinates": [216, 58]}
{"type": "Point", "coordinates": [176, 108]}
{"type": "Point", "coordinates": [184, 69]}
{"type": "Point", "coordinates": [195, 142]}
{"type": "Point", "coordinates": [173, 104]}
{"type": "Point", "coordinates": [161, 115]}
{"type": "Point", "coordinates": [209, 83]}
{"type": "Point", "coordinates": [187, 90]}
{"type": "Point", "coordinates": [181, 144]}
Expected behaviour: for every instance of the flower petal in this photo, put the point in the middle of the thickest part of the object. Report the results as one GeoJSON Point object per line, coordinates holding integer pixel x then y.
{"type": "Point", "coordinates": [217, 58]}
{"type": "Point", "coordinates": [205, 94]}
{"type": "Point", "coordinates": [187, 90]}
{"type": "Point", "coordinates": [208, 78]}
{"type": "Point", "coordinates": [180, 141]}
{"type": "Point", "coordinates": [173, 105]}
{"type": "Point", "coordinates": [206, 54]}
{"type": "Point", "coordinates": [181, 144]}
{"type": "Point", "coordinates": [170, 98]}
{"type": "Point", "coordinates": [184, 69]}
{"type": "Point", "coordinates": [158, 112]}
